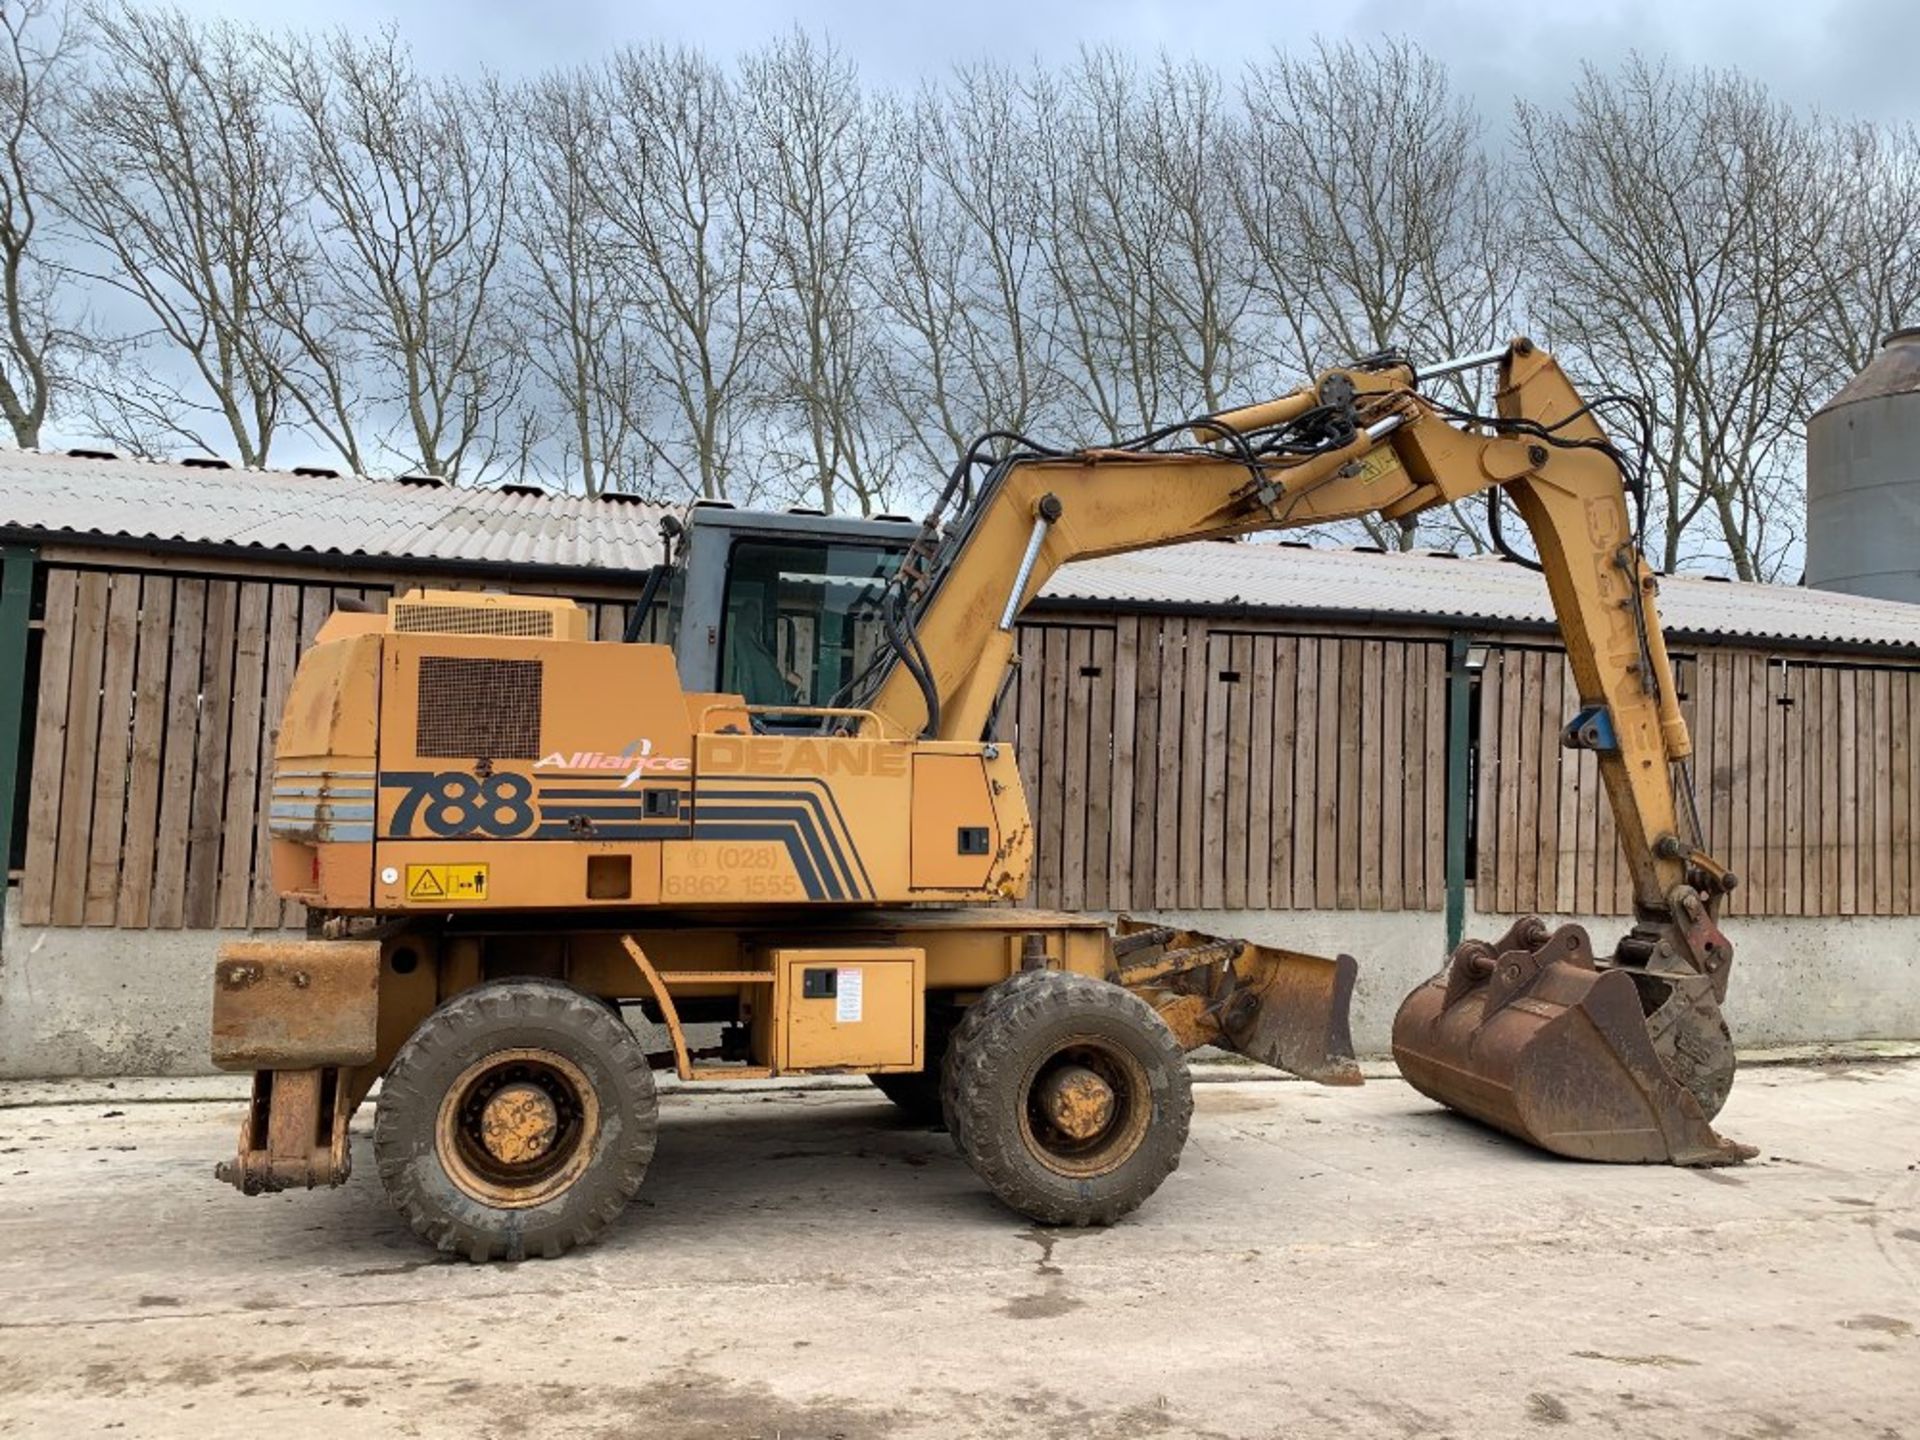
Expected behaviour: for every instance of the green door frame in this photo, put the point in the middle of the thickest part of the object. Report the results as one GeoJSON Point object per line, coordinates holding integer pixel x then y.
{"type": "Point", "coordinates": [1459, 694]}
{"type": "Point", "coordinates": [16, 625]}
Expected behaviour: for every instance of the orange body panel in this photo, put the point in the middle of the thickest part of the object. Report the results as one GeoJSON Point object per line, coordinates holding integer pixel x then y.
{"type": "Point", "coordinates": [952, 794]}
{"type": "Point", "coordinates": [437, 772]}
{"type": "Point", "coordinates": [872, 1017]}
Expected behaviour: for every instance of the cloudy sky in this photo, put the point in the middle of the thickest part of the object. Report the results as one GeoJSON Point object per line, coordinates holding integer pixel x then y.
{"type": "Point", "coordinates": [1846, 56]}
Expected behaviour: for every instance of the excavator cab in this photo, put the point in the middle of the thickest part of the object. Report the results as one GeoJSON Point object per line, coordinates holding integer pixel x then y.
{"type": "Point", "coordinates": [778, 608]}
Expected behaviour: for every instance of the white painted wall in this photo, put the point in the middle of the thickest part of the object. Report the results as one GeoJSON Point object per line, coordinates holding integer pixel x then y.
{"type": "Point", "coordinates": [1796, 980]}
{"type": "Point", "coordinates": [121, 1002]}
{"type": "Point", "coordinates": [104, 1002]}
{"type": "Point", "coordinates": [127, 1002]}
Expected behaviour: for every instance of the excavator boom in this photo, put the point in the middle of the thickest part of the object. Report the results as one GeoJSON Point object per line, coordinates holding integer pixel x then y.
{"type": "Point", "coordinates": [1617, 1057]}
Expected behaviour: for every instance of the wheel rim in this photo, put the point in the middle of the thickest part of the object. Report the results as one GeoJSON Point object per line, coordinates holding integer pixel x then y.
{"type": "Point", "coordinates": [1085, 1107]}
{"type": "Point", "coordinates": [517, 1128]}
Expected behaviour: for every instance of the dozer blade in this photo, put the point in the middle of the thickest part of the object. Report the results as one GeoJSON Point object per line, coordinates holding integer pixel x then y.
{"type": "Point", "coordinates": [1529, 1036]}
{"type": "Point", "coordinates": [1278, 1007]}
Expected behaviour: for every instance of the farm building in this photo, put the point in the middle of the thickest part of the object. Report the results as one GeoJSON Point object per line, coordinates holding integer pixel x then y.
{"type": "Point", "coordinates": [1332, 750]}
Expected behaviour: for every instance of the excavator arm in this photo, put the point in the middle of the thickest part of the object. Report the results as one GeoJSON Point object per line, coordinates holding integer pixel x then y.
{"type": "Point", "coordinates": [1621, 1057]}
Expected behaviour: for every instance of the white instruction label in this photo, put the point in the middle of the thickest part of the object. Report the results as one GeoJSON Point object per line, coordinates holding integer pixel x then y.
{"type": "Point", "coordinates": [847, 988]}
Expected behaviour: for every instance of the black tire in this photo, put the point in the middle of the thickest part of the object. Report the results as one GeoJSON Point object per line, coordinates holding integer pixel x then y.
{"type": "Point", "coordinates": [917, 1092]}
{"type": "Point", "coordinates": [488, 1057]}
{"type": "Point", "coordinates": [1033, 1028]}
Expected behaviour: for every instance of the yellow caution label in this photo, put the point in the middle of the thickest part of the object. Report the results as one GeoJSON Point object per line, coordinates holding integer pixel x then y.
{"type": "Point", "coordinates": [1376, 463]}
{"type": "Point", "coordinates": [446, 882]}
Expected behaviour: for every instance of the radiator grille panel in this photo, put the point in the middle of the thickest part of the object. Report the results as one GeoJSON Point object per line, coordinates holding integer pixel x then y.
{"type": "Point", "coordinates": [478, 709]}
{"type": "Point", "coordinates": [473, 620]}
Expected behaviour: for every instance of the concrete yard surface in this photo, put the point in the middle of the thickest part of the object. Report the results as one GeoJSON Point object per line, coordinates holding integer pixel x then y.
{"type": "Point", "coordinates": [803, 1264]}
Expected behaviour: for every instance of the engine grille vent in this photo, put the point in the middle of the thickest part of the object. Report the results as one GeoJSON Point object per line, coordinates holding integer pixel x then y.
{"type": "Point", "coordinates": [473, 620]}
{"type": "Point", "coordinates": [478, 709]}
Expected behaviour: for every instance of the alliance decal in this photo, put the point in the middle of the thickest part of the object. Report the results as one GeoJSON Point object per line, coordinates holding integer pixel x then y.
{"type": "Point", "coordinates": [635, 761]}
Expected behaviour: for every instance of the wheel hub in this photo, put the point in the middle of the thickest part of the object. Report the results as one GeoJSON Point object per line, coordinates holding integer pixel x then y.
{"type": "Point", "coordinates": [518, 1124]}
{"type": "Point", "coordinates": [518, 1127]}
{"type": "Point", "coordinates": [1087, 1106]}
{"type": "Point", "coordinates": [1076, 1101]}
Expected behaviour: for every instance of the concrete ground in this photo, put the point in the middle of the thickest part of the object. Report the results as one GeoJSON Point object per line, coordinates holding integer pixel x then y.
{"type": "Point", "coordinates": [803, 1265]}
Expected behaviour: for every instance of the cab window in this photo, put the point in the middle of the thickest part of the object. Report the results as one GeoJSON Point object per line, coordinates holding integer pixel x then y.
{"type": "Point", "coordinates": [801, 618]}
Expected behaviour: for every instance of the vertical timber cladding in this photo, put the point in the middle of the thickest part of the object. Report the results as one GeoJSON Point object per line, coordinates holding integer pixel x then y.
{"type": "Point", "coordinates": [155, 713]}
{"type": "Point", "coordinates": [157, 704]}
{"type": "Point", "coordinates": [1173, 763]}
{"type": "Point", "coordinates": [1808, 773]}
{"type": "Point", "coordinates": [1177, 763]}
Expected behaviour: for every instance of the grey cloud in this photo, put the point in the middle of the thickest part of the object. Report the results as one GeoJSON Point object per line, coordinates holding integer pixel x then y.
{"type": "Point", "coordinates": [1846, 56]}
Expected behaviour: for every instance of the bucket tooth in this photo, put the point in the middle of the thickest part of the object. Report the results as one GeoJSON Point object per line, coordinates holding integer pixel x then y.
{"type": "Point", "coordinates": [1530, 1036]}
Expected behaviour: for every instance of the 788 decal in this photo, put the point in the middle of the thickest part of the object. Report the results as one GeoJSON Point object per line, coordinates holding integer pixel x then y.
{"type": "Point", "coordinates": [454, 803]}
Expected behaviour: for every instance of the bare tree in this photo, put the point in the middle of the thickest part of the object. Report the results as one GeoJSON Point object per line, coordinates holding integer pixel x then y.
{"type": "Point", "coordinates": [1868, 262]}
{"type": "Point", "coordinates": [1147, 265]}
{"type": "Point", "coordinates": [178, 172]}
{"type": "Point", "coordinates": [1379, 230]}
{"type": "Point", "coordinates": [919, 270]}
{"type": "Point", "coordinates": [812, 164]}
{"type": "Point", "coordinates": [958, 269]}
{"type": "Point", "coordinates": [1106, 234]}
{"type": "Point", "coordinates": [1681, 229]}
{"type": "Point", "coordinates": [571, 288]}
{"type": "Point", "coordinates": [1193, 152]}
{"type": "Point", "coordinates": [683, 212]}
{"type": "Point", "coordinates": [411, 182]}
{"type": "Point", "coordinates": [41, 341]}
{"type": "Point", "coordinates": [665, 273]}
{"type": "Point", "coordinates": [321, 354]}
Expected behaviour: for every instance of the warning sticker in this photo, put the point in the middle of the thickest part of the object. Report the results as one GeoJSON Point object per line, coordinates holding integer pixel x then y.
{"type": "Point", "coordinates": [446, 882]}
{"type": "Point", "coordinates": [846, 1010]}
{"type": "Point", "coordinates": [1376, 463]}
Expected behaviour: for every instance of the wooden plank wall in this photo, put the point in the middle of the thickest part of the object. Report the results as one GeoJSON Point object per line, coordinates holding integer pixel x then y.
{"type": "Point", "coordinates": [1176, 764]}
{"type": "Point", "coordinates": [158, 706]}
{"type": "Point", "coordinates": [1171, 763]}
{"type": "Point", "coordinates": [1808, 776]}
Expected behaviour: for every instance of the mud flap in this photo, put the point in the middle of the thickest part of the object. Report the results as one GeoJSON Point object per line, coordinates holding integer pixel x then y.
{"type": "Point", "coordinates": [1531, 1037]}
{"type": "Point", "coordinates": [1282, 1008]}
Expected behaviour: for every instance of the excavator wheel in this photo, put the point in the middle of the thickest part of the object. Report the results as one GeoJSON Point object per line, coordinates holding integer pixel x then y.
{"type": "Point", "coordinates": [517, 1121]}
{"type": "Point", "coordinates": [917, 1092]}
{"type": "Point", "coordinates": [1068, 1095]}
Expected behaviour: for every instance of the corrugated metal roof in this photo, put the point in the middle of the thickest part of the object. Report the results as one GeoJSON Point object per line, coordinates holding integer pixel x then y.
{"type": "Point", "coordinates": [347, 515]}
{"type": "Point", "coordinates": [351, 516]}
{"type": "Point", "coordinates": [1487, 592]}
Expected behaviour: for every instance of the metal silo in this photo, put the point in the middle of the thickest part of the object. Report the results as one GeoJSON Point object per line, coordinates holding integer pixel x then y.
{"type": "Point", "coordinates": [1863, 479]}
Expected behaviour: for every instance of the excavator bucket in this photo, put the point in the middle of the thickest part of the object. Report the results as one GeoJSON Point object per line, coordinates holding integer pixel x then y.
{"type": "Point", "coordinates": [1529, 1036]}
{"type": "Point", "coordinates": [1281, 1008]}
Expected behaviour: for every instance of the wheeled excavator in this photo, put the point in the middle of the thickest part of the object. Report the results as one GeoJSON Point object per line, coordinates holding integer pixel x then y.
{"type": "Point", "coordinates": [790, 840]}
